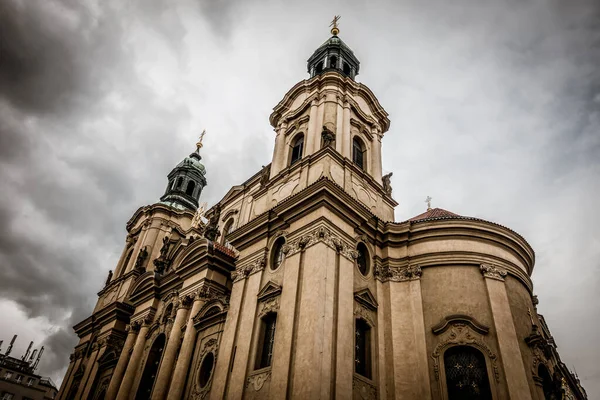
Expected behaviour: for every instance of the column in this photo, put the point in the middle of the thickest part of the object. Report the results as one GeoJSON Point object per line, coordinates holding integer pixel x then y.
{"type": "Point", "coordinates": [339, 128]}
{"type": "Point", "coordinates": [510, 353]}
{"type": "Point", "coordinates": [186, 352]}
{"type": "Point", "coordinates": [117, 377]}
{"type": "Point", "coordinates": [166, 365]}
{"type": "Point", "coordinates": [376, 156]}
{"type": "Point", "coordinates": [279, 153]}
{"type": "Point", "coordinates": [134, 363]}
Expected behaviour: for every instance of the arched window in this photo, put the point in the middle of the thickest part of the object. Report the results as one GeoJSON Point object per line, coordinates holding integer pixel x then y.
{"type": "Point", "coordinates": [151, 369]}
{"type": "Point", "coordinates": [266, 341]}
{"type": "Point", "coordinates": [362, 261]}
{"type": "Point", "coordinates": [227, 229]}
{"type": "Point", "coordinates": [333, 62]}
{"type": "Point", "coordinates": [297, 148]}
{"type": "Point", "coordinates": [466, 374]}
{"type": "Point", "coordinates": [362, 348]}
{"type": "Point", "coordinates": [358, 151]}
{"type": "Point", "coordinates": [346, 69]}
{"type": "Point", "coordinates": [277, 254]}
{"type": "Point", "coordinates": [547, 385]}
{"type": "Point", "coordinates": [126, 262]}
{"type": "Point", "coordinates": [179, 183]}
{"type": "Point", "coordinates": [319, 68]}
{"type": "Point", "coordinates": [189, 190]}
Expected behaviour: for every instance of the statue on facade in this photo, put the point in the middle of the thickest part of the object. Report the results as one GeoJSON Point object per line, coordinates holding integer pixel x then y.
{"type": "Point", "coordinates": [139, 261]}
{"type": "Point", "coordinates": [387, 183]}
{"type": "Point", "coordinates": [265, 175]}
{"type": "Point", "coordinates": [212, 230]}
{"type": "Point", "coordinates": [108, 279]}
{"type": "Point", "coordinates": [327, 136]}
{"type": "Point", "coordinates": [161, 263]}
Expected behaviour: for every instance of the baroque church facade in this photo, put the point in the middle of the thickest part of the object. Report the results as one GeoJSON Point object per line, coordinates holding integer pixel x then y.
{"type": "Point", "coordinates": [299, 284]}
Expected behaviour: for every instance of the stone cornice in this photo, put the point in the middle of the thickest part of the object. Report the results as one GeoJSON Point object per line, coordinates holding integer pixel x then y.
{"type": "Point", "coordinates": [334, 79]}
{"type": "Point", "coordinates": [150, 209]}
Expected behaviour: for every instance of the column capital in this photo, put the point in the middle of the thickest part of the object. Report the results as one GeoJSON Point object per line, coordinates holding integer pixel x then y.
{"type": "Point", "coordinates": [493, 272]}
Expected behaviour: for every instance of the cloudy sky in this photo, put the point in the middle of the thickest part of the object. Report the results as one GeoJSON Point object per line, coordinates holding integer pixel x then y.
{"type": "Point", "coordinates": [495, 109]}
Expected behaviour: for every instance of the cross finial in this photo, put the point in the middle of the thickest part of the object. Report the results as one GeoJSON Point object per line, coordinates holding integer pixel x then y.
{"type": "Point", "coordinates": [334, 24]}
{"type": "Point", "coordinates": [428, 201]}
{"type": "Point", "coordinates": [199, 144]}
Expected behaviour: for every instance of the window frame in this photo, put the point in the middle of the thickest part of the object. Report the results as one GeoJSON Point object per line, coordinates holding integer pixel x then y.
{"type": "Point", "coordinates": [368, 348]}
{"type": "Point", "coordinates": [276, 248]}
{"type": "Point", "coordinates": [362, 147]}
{"type": "Point", "coordinates": [367, 259]}
{"type": "Point", "coordinates": [260, 361]}
{"type": "Point", "coordinates": [299, 136]}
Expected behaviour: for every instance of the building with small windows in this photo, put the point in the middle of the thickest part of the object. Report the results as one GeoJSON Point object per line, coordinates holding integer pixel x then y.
{"type": "Point", "coordinates": [299, 284]}
{"type": "Point", "coordinates": [18, 380]}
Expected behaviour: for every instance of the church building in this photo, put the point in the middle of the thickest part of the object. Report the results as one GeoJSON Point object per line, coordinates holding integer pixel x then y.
{"type": "Point", "coordinates": [299, 284]}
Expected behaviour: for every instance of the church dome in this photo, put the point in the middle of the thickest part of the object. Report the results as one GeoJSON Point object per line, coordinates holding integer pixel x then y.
{"type": "Point", "coordinates": [193, 161]}
{"type": "Point", "coordinates": [333, 55]}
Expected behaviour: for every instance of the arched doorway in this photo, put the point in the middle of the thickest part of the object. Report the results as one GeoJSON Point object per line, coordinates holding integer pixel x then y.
{"type": "Point", "coordinates": [547, 385]}
{"type": "Point", "coordinates": [151, 369]}
{"type": "Point", "coordinates": [466, 374]}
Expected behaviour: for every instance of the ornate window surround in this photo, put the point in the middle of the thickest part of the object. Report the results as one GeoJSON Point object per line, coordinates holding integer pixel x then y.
{"type": "Point", "coordinates": [365, 309]}
{"type": "Point", "coordinates": [462, 330]}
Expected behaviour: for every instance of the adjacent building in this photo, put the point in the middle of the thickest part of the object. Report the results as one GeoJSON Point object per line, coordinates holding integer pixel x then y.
{"type": "Point", "coordinates": [299, 284]}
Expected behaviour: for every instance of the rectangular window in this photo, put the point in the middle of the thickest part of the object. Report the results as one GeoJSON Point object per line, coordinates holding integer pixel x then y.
{"type": "Point", "coordinates": [7, 396]}
{"type": "Point", "coordinates": [362, 348]}
{"type": "Point", "coordinates": [267, 341]}
{"type": "Point", "coordinates": [30, 381]}
{"type": "Point", "coordinates": [8, 375]}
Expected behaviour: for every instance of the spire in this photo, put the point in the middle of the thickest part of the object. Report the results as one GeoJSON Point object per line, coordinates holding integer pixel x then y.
{"type": "Point", "coordinates": [186, 181]}
{"type": "Point", "coordinates": [334, 55]}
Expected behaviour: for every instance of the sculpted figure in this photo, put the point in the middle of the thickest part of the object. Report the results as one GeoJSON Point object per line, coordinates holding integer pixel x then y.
{"type": "Point", "coordinates": [327, 136]}
{"type": "Point", "coordinates": [140, 258]}
{"type": "Point", "coordinates": [387, 184]}
{"type": "Point", "coordinates": [264, 175]}
{"type": "Point", "coordinates": [110, 275]}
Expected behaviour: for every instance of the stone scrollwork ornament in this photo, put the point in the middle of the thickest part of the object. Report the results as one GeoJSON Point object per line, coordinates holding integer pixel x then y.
{"type": "Point", "coordinates": [493, 272]}
{"type": "Point", "coordinates": [257, 381]}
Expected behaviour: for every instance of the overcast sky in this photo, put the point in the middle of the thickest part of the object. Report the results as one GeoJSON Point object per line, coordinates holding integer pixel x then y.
{"type": "Point", "coordinates": [495, 110]}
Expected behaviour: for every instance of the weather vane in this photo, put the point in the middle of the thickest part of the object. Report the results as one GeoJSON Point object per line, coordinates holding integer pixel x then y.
{"type": "Point", "coordinates": [334, 24]}
{"type": "Point", "coordinates": [199, 144]}
{"type": "Point", "coordinates": [428, 201]}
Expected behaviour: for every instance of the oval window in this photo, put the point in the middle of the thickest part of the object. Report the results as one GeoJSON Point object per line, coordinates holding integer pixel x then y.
{"type": "Point", "coordinates": [277, 254]}
{"type": "Point", "coordinates": [362, 261]}
{"type": "Point", "coordinates": [206, 369]}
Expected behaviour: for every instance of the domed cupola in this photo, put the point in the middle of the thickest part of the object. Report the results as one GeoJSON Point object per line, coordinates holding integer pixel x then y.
{"type": "Point", "coordinates": [186, 181]}
{"type": "Point", "coordinates": [334, 55]}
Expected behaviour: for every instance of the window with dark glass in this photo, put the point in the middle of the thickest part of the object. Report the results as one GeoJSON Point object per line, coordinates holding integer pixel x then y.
{"type": "Point", "coordinates": [547, 385]}
{"type": "Point", "coordinates": [277, 253]}
{"type": "Point", "coordinates": [206, 369]}
{"type": "Point", "coordinates": [358, 153]}
{"type": "Point", "coordinates": [297, 148]}
{"type": "Point", "coordinates": [346, 69]}
{"type": "Point", "coordinates": [362, 261]}
{"type": "Point", "coordinates": [267, 341]}
{"type": "Point", "coordinates": [179, 182]}
{"type": "Point", "coordinates": [190, 188]}
{"type": "Point", "coordinates": [319, 68]}
{"type": "Point", "coordinates": [227, 229]}
{"type": "Point", "coordinates": [333, 62]}
{"type": "Point", "coordinates": [466, 374]}
{"type": "Point", "coordinates": [362, 348]}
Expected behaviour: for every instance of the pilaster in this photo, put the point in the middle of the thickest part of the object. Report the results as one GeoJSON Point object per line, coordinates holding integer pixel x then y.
{"type": "Point", "coordinates": [134, 362]}
{"type": "Point", "coordinates": [516, 378]}
{"type": "Point", "coordinates": [117, 377]}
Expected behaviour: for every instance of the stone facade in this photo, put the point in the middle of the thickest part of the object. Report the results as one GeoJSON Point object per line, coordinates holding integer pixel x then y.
{"type": "Point", "coordinates": [312, 291]}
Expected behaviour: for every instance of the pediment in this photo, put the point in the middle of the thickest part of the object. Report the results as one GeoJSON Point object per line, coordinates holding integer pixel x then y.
{"type": "Point", "coordinates": [460, 319]}
{"type": "Point", "coordinates": [232, 192]}
{"type": "Point", "coordinates": [270, 289]}
{"type": "Point", "coordinates": [366, 298]}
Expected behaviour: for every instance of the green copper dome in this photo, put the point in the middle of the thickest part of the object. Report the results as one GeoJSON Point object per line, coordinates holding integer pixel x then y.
{"type": "Point", "coordinates": [333, 55]}
{"type": "Point", "coordinates": [193, 161]}
{"type": "Point", "coordinates": [186, 182]}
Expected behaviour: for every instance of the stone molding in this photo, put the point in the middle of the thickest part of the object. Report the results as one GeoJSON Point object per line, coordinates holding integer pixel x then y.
{"type": "Point", "coordinates": [322, 234]}
{"type": "Point", "coordinates": [250, 268]}
{"type": "Point", "coordinates": [198, 392]}
{"type": "Point", "coordinates": [493, 272]}
{"type": "Point", "coordinates": [363, 389]}
{"type": "Point", "coordinates": [269, 306]}
{"type": "Point", "coordinates": [461, 334]}
{"type": "Point", "coordinates": [385, 273]}
{"type": "Point", "coordinates": [257, 381]}
{"type": "Point", "coordinates": [362, 312]}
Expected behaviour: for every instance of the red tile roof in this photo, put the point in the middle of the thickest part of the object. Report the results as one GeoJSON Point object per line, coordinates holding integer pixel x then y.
{"type": "Point", "coordinates": [434, 213]}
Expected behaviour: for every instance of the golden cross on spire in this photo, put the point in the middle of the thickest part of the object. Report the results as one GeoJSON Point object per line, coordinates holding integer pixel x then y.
{"type": "Point", "coordinates": [428, 201]}
{"type": "Point", "coordinates": [334, 24]}
{"type": "Point", "coordinates": [199, 144]}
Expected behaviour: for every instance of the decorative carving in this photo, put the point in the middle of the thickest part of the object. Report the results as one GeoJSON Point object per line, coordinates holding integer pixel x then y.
{"type": "Point", "coordinates": [162, 262]}
{"type": "Point", "coordinates": [363, 389]}
{"type": "Point", "coordinates": [461, 334]}
{"type": "Point", "coordinates": [535, 301]}
{"type": "Point", "coordinates": [270, 289]}
{"type": "Point", "coordinates": [327, 136]}
{"type": "Point", "coordinates": [245, 270]}
{"type": "Point", "coordinates": [362, 312]}
{"type": "Point", "coordinates": [397, 274]}
{"type": "Point", "coordinates": [387, 183]}
{"type": "Point", "coordinates": [257, 381]}
{"type": "Point", "coordinates": [265, 174]}
{"type": "Point", "coordinates": [492, 272]}
{"type": "Point", "coordinates": [199, 392]}
{"type": "Point", "coordinates": [322, 234]}
{"type": "Point", "coordinates": [448, 321]}
{"type": "Point", "coordinates": [366, 298]}
{"type": "Point", "coordinates": [212, 229]}
{"type": "Point", "coordinates": [139, 261]}
{"type": "Point", "coordinates": [269, 306]}
{"type": "Point", "coordinates": [286, 249]}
